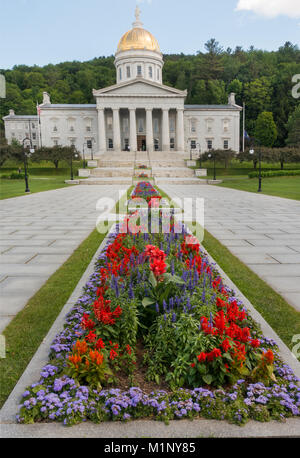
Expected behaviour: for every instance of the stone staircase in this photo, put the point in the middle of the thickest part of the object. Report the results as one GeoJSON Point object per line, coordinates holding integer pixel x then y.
{"type": "Point", "coordinates": [124, 168]}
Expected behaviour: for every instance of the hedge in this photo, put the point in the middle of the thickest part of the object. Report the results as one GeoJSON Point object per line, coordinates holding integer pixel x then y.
{"type": "Point", "coordinates": [274, 173]}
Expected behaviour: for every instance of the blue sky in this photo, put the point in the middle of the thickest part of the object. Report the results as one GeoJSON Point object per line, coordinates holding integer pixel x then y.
{"type": "Point", "coordinates": [51, 31]}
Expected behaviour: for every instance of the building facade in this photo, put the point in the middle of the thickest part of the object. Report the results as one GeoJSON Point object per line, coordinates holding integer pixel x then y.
{"type": "Point", "coordinates": [138, 113]}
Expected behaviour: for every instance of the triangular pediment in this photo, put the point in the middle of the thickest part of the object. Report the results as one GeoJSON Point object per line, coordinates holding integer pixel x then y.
{"type": "Point", "coordinates": [139, 88]}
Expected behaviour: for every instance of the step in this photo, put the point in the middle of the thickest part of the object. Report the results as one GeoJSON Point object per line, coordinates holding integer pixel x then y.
{"type": "Point", "coordinates": [106, 181]}
{"type": "Point", "coordinates": [179, 172]}
{"type": "Point", "coordinates": [112, 172]}
{"type": "Point", "coordinates": [179, 181]}
{"type": "Point", "coordinates": [115, 163]}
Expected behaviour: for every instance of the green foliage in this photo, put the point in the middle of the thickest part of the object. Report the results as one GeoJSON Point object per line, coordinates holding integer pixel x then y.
{"type": "Point", "coordinates": [265, 129]}
{"type": "Point", "coordinates": [56, 154]}
{"type": "Point", "coordinates": [275, 173]}
{"type": "Point", "coordinates": [260, 78]}
{"type": "Point", "coordinates": [293, 127]}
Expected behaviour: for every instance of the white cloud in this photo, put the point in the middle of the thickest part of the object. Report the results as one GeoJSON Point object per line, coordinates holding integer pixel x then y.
{"type": "Point", "coordinates": [271, 8]}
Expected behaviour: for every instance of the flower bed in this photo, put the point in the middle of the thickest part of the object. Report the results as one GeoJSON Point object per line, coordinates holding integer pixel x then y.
{"type": "Point", "coordinates": [156, 312]}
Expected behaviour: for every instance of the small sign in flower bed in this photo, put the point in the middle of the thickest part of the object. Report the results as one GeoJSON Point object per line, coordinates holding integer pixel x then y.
{"type": "Point", "coordinates": [156, 334]}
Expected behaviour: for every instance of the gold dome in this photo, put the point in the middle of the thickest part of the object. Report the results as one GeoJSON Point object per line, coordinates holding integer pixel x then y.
{"type": "Point", "coordinates": [138, 38]}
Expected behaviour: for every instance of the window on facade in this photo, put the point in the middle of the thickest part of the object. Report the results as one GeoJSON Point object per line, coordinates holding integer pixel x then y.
{"type": "Point", "coordinates": [72, 129]}
{"type": "Point", "coordinates": [172, 143]}
{"type": "Point", "coordinates": [150, 72]}
{"type": "Point", "coordinates": [226, 125]}
{"type": "Point", "coordinates": [209, 144]}
{"type": "Point", "coordinates": [33, 125]}
{"type": "Point", "coordinates": [55, 128]}
{"type": "Point", "coordinates": [125, 125]}
{"type": "Point", "coordinates": [209, 125]}
{"type": "Point", "coordinates": [73, 142]}
{"type": "Point", "coordinates": [120, 73]}
{"type": "Point", "coordinates": [226, 144]}
{"type": "Point", "coordinates": [156, 126]}
{"type": "Point", "coordinates": [193, 144]}
{"type": "Point", "coordinates": [126, 143]}
{"type": "Point", "coordinates": [139, 70]}
{"type": "Point", "coordinates": [89, 144]}
{"type": "Point", "coordinates": [158, 74]}
{"type": "Point", "coordinates": [110, 143]}
{"type": "Point", "coordinates": [193, 126]}
{"type": "Point", "coordinates": [34, 136]}
{"type": "Point", "coordinates": [109, 122]}
{"type": "Point", "coordinates": [141, 125]}
{"type": "Point", "coordinates": [156, 144]}
{"type": "Point", "coordinates": [172, 125]}
{"type": "Point", "coordinates": [128, 72]}
{"type": "Point", "coordinates": [13, 134]}
{"type": "Point", "coordinates": [55, 142]}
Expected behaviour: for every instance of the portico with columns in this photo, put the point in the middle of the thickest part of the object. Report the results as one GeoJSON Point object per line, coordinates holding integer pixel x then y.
{"type": "Point", "coordinates": [140, 116]}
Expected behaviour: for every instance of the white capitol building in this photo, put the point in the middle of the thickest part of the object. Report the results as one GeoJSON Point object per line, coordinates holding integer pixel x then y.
{"type": "Point", "coordinates": [138, 113]}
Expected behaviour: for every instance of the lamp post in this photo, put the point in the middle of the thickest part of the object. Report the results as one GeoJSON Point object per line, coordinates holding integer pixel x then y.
{"type": "Point", "coordinates": [199, 151]}
{"type": "Point", "coordinates": [83, 155]}
{"type": "Point", "coordinates": [25, 162]}
{"type": "Point", "coordinates": [259, 161]}
{"type": "Point", "coordinates": [76, 156]}
{"type": "Point", "coordinates": [214, 158]}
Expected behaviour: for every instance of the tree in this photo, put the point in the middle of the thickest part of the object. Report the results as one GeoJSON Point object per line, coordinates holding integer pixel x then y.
{"type": "Point", "coordinates": [293, 127]}
{"type": "Point", "coordinates": [4, 150]}
{"type": "Point", "coordinates": [265, 129]}
{"type": "Point", "coordinates": [221, 155]}
{"type": "Point", "coordinates": [55, 154]}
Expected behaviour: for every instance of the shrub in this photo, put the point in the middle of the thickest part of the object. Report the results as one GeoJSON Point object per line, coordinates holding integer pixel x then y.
{"type": "Point", "coordinates": [274, 173]}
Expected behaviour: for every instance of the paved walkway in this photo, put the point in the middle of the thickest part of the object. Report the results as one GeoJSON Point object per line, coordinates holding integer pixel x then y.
{"type": "Point", "coordinates": [262, 231]}
{"type": "Point", "coordinates": [38, 234]}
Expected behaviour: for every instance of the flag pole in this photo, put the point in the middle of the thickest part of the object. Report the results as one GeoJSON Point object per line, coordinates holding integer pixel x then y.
{"type": "Point", "coordinates": [40, 130]}
{"type": "Point", "coordinates": [244, 122]}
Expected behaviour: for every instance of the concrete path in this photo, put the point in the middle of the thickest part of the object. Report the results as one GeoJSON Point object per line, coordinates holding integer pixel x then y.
{"type": "Point", "coordinates": [262, 231]}
{"type": "Point", "coordinates": [38, 234]}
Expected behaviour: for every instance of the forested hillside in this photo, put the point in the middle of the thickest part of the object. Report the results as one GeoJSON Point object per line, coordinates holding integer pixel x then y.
{"type": "Point", "coordinates": [261, 79]}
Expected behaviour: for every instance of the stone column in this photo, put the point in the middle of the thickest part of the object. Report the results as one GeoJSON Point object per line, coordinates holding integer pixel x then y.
{"type": "Point", "coordinates": [117, 131]}
{"type": "Point", "coordinates": [101, 130]}
{"type": "Point", "coordinates": [133, 137]}
{"type": "Point", "coordinates": [165, 130]}
{"type": "Point", "coordinates": [180, 144]}
{"type": "Point", "coordinates": [149, 130]}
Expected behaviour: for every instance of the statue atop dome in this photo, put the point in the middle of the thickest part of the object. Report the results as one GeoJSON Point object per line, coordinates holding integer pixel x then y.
{"type": "Point", "coordinates": [138, 22]}
{"type": "Point", "coordinates": [137, 13]}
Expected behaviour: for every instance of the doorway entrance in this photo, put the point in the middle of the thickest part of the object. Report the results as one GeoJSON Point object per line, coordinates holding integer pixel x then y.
{"type": "Point", "coordinates": [141, 143]}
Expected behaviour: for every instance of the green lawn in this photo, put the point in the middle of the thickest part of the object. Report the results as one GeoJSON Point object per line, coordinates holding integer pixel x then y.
{"type": "Point", "coordinates": [14, 188]}
{"type": "Point", "coordinates": [288, 187]}
{"type": "Point", "coordinates": [42, 177]}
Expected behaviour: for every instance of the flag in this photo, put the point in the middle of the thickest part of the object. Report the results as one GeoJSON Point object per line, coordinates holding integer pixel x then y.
{"type": "Point", "coordinates": [246, 135]}
{"type": "Point", "coordinates": [38, 109]}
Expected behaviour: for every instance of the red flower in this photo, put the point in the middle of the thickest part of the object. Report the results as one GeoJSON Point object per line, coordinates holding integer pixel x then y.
{"type": "Point", "coordinates": [201, 357]}
{"type": "Point", "coordinates": [255, 343]}
{"type": "Point", "coordinates": [86, 322]}
{"type": "Point", "coordinates": [215, 353]}
{"type": "Point", "coordinates": [193, 364]}
{"type": "Point", "coordinates": [226, 345]}
{"type": "Point", "coordinates": [113, 354]}
{"type": "Point", "coordinates": [220, 302]}
{"type": "Point", "coordinates": [158, 267]}
{"type": "Point", "coordinates": [91, 337]}
{"type": "Point", "coordinates": [268, 356]}
{"type": "Point", "coordinates": [100, 344]}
